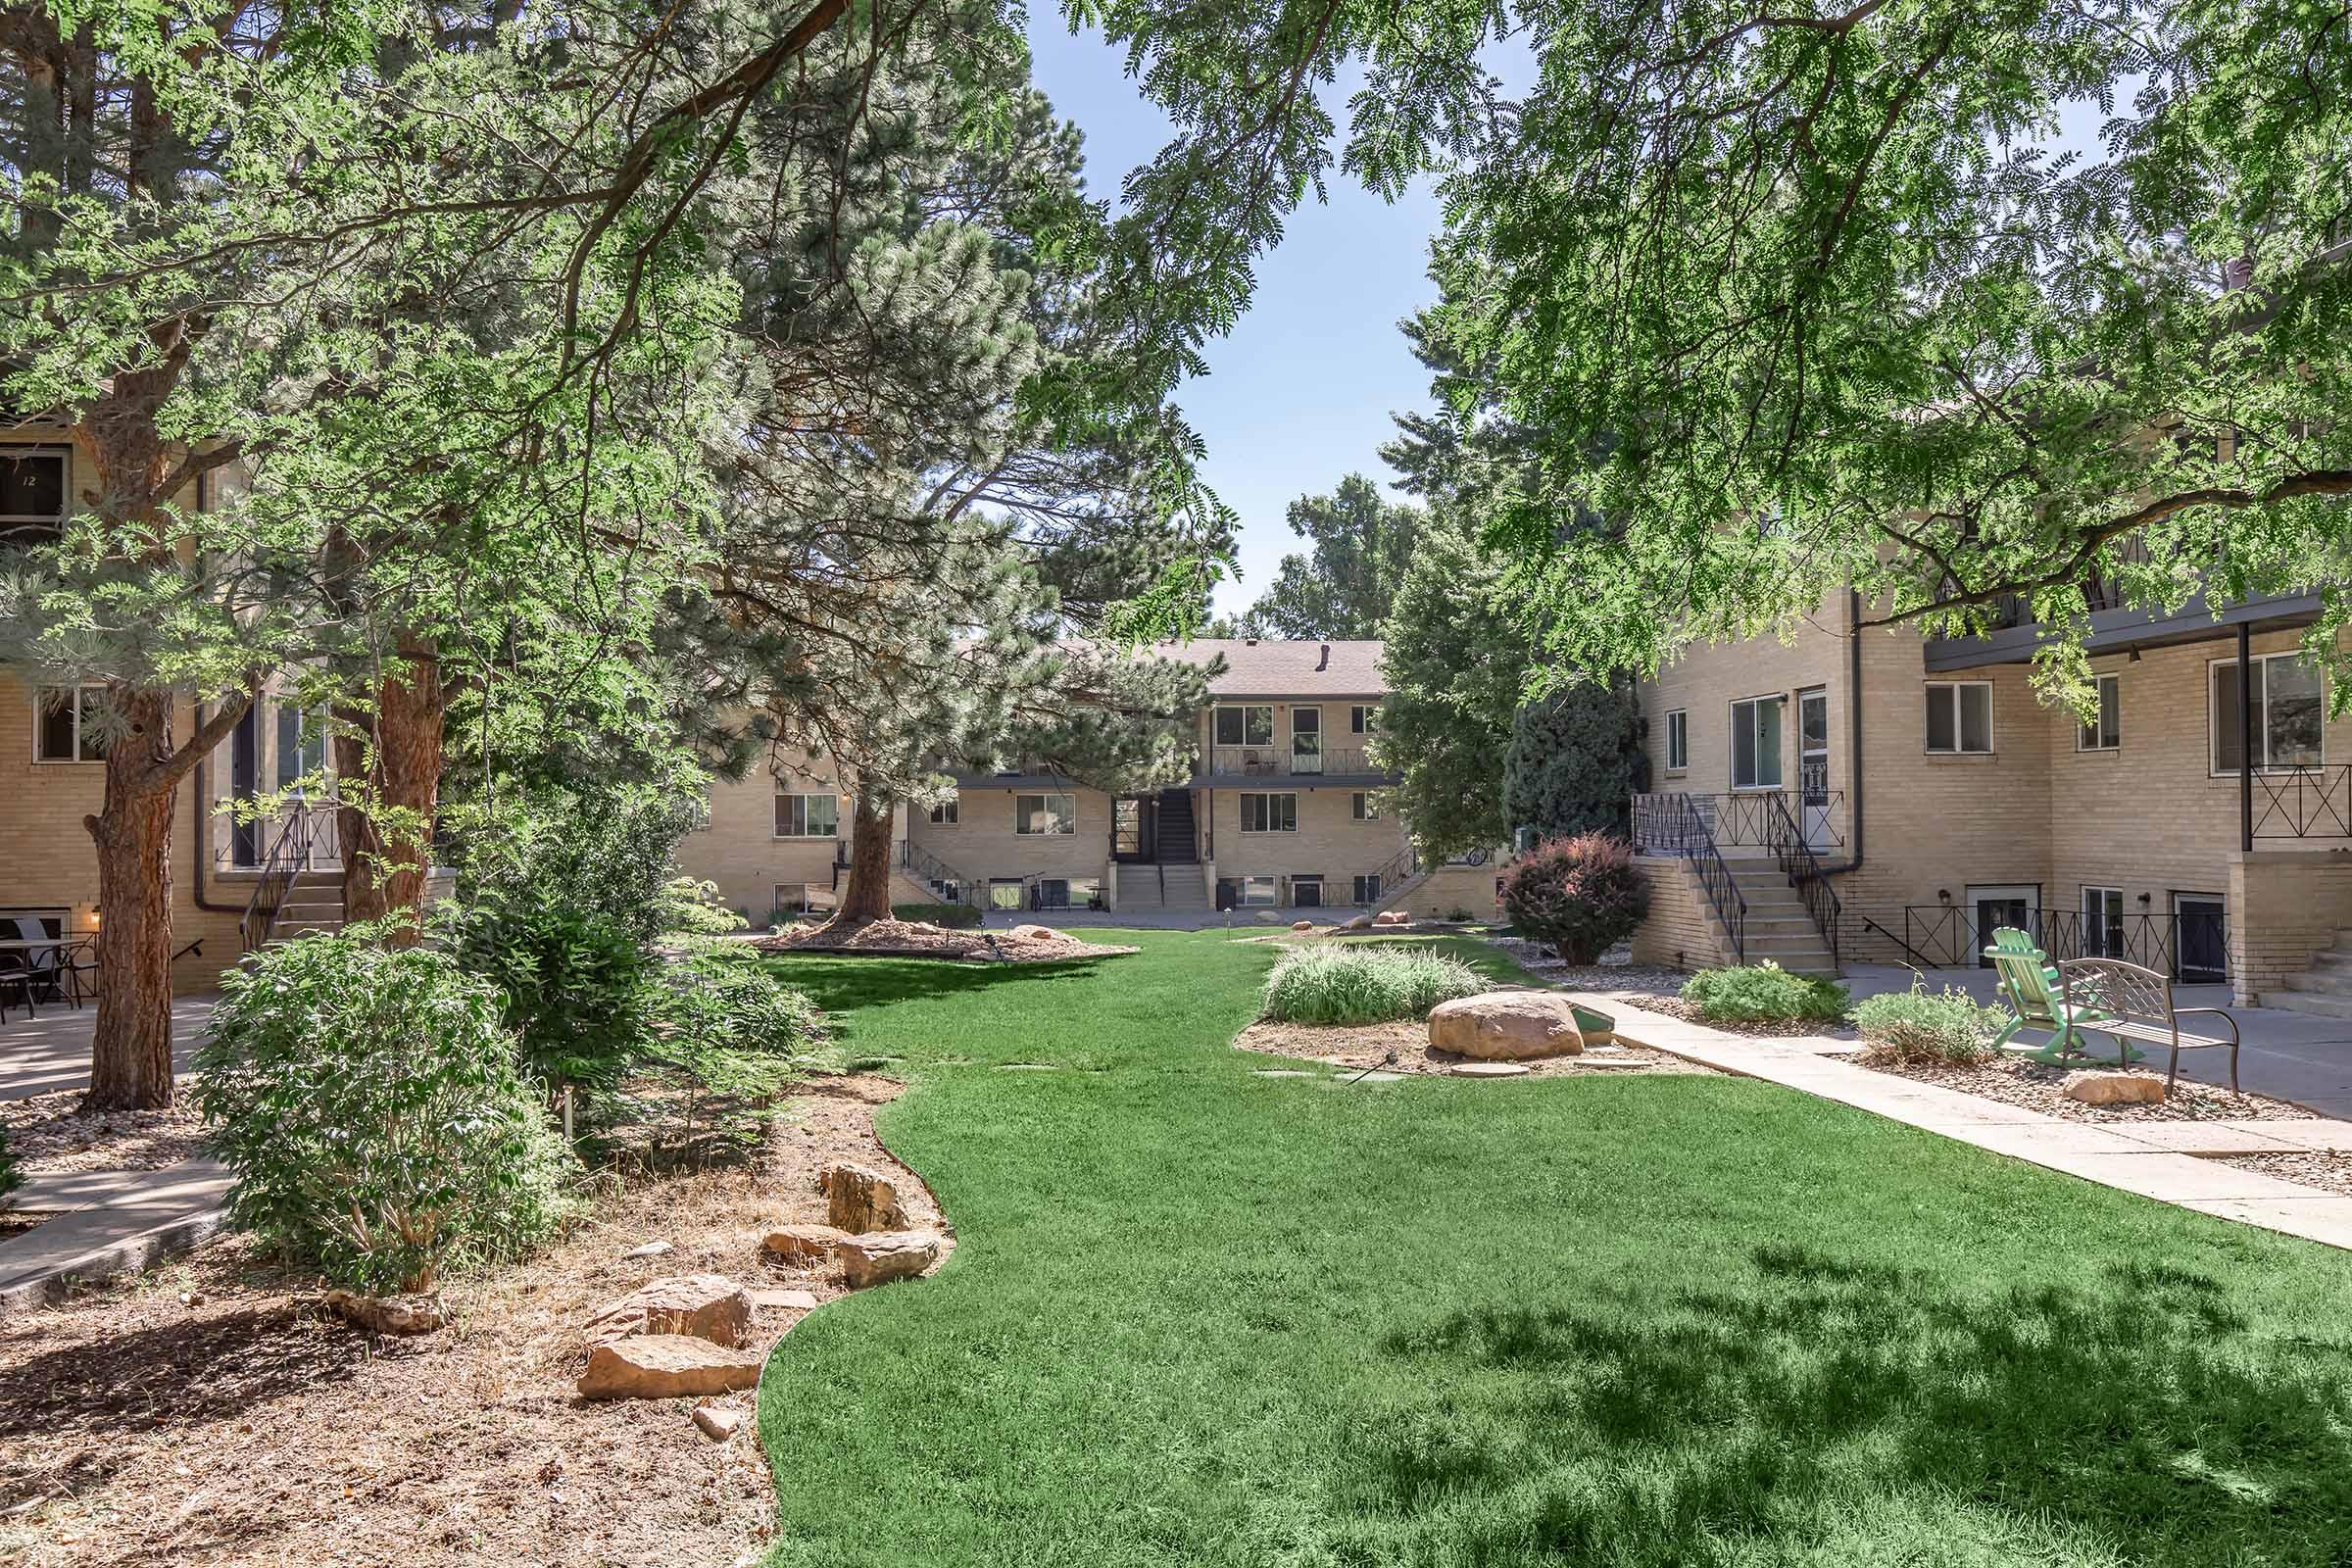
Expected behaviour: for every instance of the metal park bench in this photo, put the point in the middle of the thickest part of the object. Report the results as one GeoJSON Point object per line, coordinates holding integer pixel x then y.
{"type": "Point", "coordinates": [2130, 1004]}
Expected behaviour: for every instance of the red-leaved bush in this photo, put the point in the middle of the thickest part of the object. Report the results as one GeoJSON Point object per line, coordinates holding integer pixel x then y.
{"type": "Point", "coordinates": [1579, 894]}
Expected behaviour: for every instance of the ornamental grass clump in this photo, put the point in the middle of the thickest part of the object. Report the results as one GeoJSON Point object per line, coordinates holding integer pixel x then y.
{"type": "Point", "coordinates": [1350, 983]}
{"type": "Point", "coordinates": [368, 1101]}
{"type": "Point", "coordinates": [1765, 992]}
{"type": "Point", "coordinates": [1915, 1028]}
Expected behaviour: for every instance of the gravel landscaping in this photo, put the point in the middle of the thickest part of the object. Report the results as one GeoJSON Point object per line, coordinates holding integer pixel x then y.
{"type": "Point", "coordinates": [2014, 1081]}
{"type": "Point", "coordinates": [1404, 1048]}
{"type": "Point", "coordinates": [913, 938]}
{"type": "Point", "coordinates": [52, 1135]}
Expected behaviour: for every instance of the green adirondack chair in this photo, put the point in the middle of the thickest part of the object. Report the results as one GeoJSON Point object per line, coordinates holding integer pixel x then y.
{"type": "Point", "coordinates": [2031, 986]}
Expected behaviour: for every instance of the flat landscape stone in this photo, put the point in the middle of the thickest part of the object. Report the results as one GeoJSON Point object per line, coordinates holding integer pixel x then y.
{"type": "Point", "coordinates": [879, 1260]}
{"type": "Point", "coordinates": [389, 1314]}
{"type": "Point", "coordinates": [1506, 1026]}
{"type": "Point", "coordinates": [2114, 1087]}
{"type": "Point", "coordinates": [708, 1306]}
{"type": "Point", "coordinates": [858, 1197]}
{"type": "Point", "coordinates": [1490, 1069]}
{"type": "Point", "coordinates": [769, 1298]}
{"type": "Point", "coordinates": [805, 1244]}
{"type": "Point", "coordinates": [664, 1366]}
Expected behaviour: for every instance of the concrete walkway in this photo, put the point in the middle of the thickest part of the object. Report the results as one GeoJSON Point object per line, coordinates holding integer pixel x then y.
{"type": "Point", "coordinates": [109, 1221]}
{"type": "Point", "coordinates": [42, 1055]}
{"type": "Point", "coordinates": [2169, 1161]}
{"type": "Point", "coordinates": [2286, 1055]}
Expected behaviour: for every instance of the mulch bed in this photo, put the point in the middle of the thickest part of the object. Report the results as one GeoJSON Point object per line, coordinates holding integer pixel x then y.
{"type": "Point", "coordinates": [208, 1412]}
{"type": "Point", "coordinates": [50, 1135]}
{"type": "Point", "coordinates": [1404, 1048]}
{"type": "Point", "coordinates": [2012, 1081]}
{"type": "Point", "coordinates": [913, 938]}
{"type": "Point", "coordinates": [2328, 1172]}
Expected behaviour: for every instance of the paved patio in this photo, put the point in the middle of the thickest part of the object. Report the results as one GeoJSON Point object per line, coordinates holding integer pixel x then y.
{"type": "Point", "coordinates": [2287, 1056]}
{"type": "Point", "coordinates": [42, 1055]}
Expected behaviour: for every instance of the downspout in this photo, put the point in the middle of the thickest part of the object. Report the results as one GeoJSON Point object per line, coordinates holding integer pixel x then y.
{"type": "Point", "coordinates": [2245, 738]}
{"type": "Point", "coordinates": [1853, 703]}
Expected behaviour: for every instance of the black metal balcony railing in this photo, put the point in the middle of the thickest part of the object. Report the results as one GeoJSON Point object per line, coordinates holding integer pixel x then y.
{"type": "Point", "coordinates": [1746, 818]}
{"type": "Point", "coordinates": [2191, 947]}
{"type": "Point", "coordinates": [2303, 802]}
{"type": "Point", "coordinates": [1672, 824]}
{"type": "Point", "coordinates": [1285, 761]}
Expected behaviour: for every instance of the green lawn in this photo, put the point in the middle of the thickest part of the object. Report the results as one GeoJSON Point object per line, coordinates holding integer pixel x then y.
{"type": "Point", "coordinates": [1200, 1317]}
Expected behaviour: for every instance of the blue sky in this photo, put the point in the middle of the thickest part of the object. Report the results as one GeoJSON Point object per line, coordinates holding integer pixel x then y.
{"type": "Point", "coordinates": [1300, 394]}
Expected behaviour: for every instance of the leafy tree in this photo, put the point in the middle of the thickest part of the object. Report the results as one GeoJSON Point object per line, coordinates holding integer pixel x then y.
{"type": "Point", "coordinates": [1574, 760]}
{"type": "Point", "coordinates": [1456, 661]}
{"type": "Point", "coordinates": [1358, 546]}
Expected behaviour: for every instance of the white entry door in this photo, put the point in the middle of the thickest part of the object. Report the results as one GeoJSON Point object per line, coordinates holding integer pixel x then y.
{"type": "Point", "coordinates": [1813, 769]}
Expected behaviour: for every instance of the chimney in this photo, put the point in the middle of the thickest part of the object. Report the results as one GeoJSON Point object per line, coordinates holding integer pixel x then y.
{"type": "Point", "coordinates": [1323, 661]}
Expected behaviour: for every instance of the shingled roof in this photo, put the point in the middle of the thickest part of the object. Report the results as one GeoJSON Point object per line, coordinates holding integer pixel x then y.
{"type": "Point", "coordinates": [1265, 667]}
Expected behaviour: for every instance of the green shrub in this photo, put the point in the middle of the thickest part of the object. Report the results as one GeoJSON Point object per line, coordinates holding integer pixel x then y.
{"type": "Point", "coordinates": [368, 1103]}
{"type": "Point", "coordinates": [1765, 992]}
{"type": "Point", "coordinates": [575, 985]}
{"type": "Point", "coordinates": [1913, 1027]}
{"type": "Point", "coordinates": [1582, 895]}
{"type": "Point", "coordinates": [730, 1000]}
{"type": "Point", "coordinates": [955, 916]}
{"type": "Point", "coordinates": [694, 908]}
{"type": "Point", "coordinates": [1350, 982]}
{"type": "Point", "coordinates": [11, 1178]}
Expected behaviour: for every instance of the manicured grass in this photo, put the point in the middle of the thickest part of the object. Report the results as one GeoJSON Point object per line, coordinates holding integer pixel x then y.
{"type": "Point", "coordinates": [1200, 1317]}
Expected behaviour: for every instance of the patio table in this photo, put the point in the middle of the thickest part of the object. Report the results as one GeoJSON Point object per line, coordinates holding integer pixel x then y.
{"type": "Point", "coordinates": [69, 951]}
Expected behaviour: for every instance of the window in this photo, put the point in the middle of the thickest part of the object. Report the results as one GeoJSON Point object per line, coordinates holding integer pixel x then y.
{"type": "Point", "coordinates": [1757, 743]}
{"type": "Point", "coordinates": [1044, 813]}
{"type": "Point", "coordinates": [2102, 922]}
{"type": "Point", "coordinates": [1677, 741]}
{"type": "Point", "coordinates": [1306, 740]}
{"type": "Point", "coordinates": [1306, 891]}
{"type": "Point", "coordinates": [944, 813]}
{"type": "Point", "coordinates": [33, 494]}
{"type": "Point", "coordinates": [1246, 726]}
{"type": "Point", "coordinates": [808, 817]}
{"type": "Point", "coordinates": [2105, 732]}
{"type": "Point", "coordinates": [1260, 890]}
{"type": "Point", "coordinates": [1363, 806]}
{"type": "Point", "coordinates": [1367, 887]}
{"type": "Point", "coordinates": [1269, 813]}
{"type": "Point", "coordinates": [1363, 718]}
{"type": "Point", "coordinates": [801, 897]}
{"type": "Point", "coordinates": [301, 745]}
{"type": "Point", "coordinates": [2288, 712]}
{"type": "Point", "coordinates": [1960, 717]}
{"type": "Point", "coordinates": [65, 725]}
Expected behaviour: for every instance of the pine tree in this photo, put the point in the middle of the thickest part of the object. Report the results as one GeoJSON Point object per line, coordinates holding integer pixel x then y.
{"type": "Point", "coordinates": [1575, 760]}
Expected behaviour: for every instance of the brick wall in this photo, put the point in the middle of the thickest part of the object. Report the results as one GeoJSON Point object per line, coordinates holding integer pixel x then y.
{"type": "Point", "coordinates": [1329, 839]}
{"type": "Point", "coordinates": [1681, 931]}
{"type": "Point", "coordinates": [2284, 906]}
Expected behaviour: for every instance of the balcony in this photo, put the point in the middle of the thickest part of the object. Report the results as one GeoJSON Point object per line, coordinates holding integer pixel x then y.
{"type": "Point", "coordinates": [1284, 761]}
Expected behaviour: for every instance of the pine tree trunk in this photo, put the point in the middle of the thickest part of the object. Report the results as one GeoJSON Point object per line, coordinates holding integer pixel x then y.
{"type": "Point", "coordinates": [869, 896]}
{"type": "Point", "coordinates": [384, 873]}
{"type": "Point", "coordinates": [130, 1044]}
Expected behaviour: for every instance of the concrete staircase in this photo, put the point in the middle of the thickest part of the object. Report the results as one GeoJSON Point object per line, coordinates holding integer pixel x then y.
{"type": "Point", "coordinates": [1779, 927]}
{"type": "Point", "coordinates": [313, 903]}
{"type": "Point", "coordinates": [1140, 888]}
{"type": "Point", "coordinates": [2324, 990]}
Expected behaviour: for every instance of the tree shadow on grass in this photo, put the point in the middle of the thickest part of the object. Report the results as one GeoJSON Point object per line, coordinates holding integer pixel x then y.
{"type": "Point", "coordinates": [842, 985]}
{"type": "Point", "coordinates": [2143, 1412]}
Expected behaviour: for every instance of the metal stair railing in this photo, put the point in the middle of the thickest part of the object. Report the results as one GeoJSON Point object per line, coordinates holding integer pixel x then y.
{"type": "Point", "coordinates": [288, 858]}
{"type": "Point", "coordinates": [1672, 824]}
{"type": "Point", "coordinates": [1802, 867]}
{"type": "Point", "coordinates": [930, 869]}
{"type": "Point", "coordinates": [1398, 872]}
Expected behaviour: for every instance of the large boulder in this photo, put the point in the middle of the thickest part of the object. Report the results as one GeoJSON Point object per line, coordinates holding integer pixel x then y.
{"type": "Point", "coordinates": [859, 1199]}
{"type": "Point", "coordinates": [2114, 1087]}
{"type": "Point", "coordinates": [879, 1260]}
{"type": "Point", "coordinates": [708, 1306]}
{"type": "Point", "coordinates": [1506, 1026]}
{"type": "Point", "coordinates": [664, 1366]}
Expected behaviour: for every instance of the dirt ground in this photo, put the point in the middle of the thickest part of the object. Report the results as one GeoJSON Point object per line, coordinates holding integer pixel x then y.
{"type": "Point", "coordinates": [1404, 1048]}
{"type": "Point", "coordinates": [209, 1413]}
{"type": "Point", "coordinates": [913, 938]}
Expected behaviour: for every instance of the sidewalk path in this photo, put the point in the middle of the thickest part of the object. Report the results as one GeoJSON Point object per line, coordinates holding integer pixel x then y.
{"type": "Point", "coordinates": [42, 1055]}
{"type": "Point", "coordinates": [2169, 1161]}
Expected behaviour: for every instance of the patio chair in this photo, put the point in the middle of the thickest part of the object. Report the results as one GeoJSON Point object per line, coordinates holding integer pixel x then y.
{"type": "Point", "coordinates": [2135, 1003]}
{"type": "Point", "coordinates": [44, 967]}
{"type": "Point", "coordinates": [15, 980]}
{"type": "Point", "coordinates": [2033, 992]}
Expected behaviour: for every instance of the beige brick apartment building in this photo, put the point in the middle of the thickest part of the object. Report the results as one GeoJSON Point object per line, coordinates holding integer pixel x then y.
{"type": "Point", "coordinates": [1283, 810]}
{"type": "Point", "coordinates": [1938, 798]}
